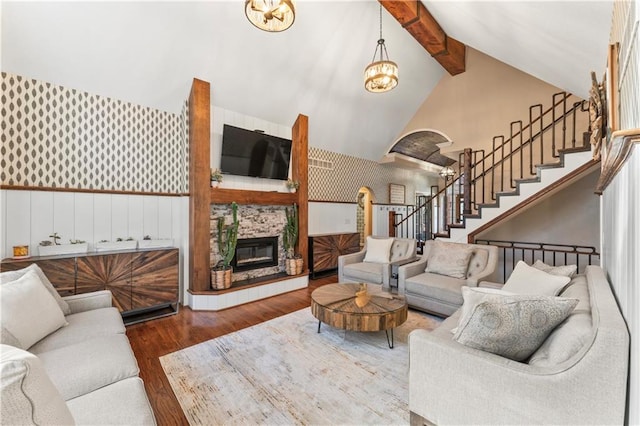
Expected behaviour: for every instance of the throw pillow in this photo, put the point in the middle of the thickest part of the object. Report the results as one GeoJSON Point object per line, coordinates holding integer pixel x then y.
{"type": "Point", "coordinates": [378, 250]}
{"type": "Point", "coordinates": [515, 326]}
{"type": "Point", "coordinates": [473, 296]}
{"type": "Point", "coordinates": [564, 270]}
{"type": "Point", "coordinates": [9, 276]}
{"type": "Point", "coordinates": [526, 279]}
{"type": "Point", "coordinates": [450, 259]}
{"type": "Point", "coordinates": [29, 312]}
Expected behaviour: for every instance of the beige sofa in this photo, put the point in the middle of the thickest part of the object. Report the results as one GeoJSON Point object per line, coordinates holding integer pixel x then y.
{"type": "Point", "coordinates": [357, 267]}
{"type": "Point", "coordinates": [439, 293]}
{"type": "Point", "coordinates": [578, 376]}
{"type": "Point", "coordinates": [84, 372]}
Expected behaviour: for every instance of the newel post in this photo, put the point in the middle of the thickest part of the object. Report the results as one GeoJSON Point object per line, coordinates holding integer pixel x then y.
{"type": "Point", "coordinates": [392, 223]}
{"type": "Point", "coordinates": [466, 189]}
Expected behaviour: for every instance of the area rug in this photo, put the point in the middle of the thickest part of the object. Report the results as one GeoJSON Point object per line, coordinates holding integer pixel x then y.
{"type": "Point", "coordinates": [284, 372]}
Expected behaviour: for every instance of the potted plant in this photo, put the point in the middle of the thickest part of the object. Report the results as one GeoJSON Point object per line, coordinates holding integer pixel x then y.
{"type": "Point", "coordinates": [293, 185]}
{"type": "Point", "coordinates": [227, 239]}
{"type": "Point", "coordinates": [148, 242]}
{"type": "Point", "coordinates": [216, 177]}
{"type": "Point", "coordinates": [293, 261]}
{"type": "Point", "coordinates": [51, 248]}
{"type": "Point", "coordinates": [119, 244]}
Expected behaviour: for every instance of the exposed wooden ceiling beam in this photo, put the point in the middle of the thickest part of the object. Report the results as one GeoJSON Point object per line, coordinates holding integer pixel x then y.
{"type": "Point", "coordinates": [416, 19]}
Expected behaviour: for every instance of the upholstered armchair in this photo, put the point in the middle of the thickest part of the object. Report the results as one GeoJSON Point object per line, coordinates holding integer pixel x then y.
{"type": "Point", "coordinates": [374, 263]}
{"type": "Point", "coordinates": [434, 283]}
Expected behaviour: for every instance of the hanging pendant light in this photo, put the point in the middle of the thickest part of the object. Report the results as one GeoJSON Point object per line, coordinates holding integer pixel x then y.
{"type": "Point", "coordinates": [270, 15]}
{"type": "Point", "coordinates": [381, 76]}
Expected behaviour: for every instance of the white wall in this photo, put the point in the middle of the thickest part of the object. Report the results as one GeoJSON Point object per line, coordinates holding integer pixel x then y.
{"type": "Point", "coordinates": [327, 218]}
{"type": "Point", "coordinates": [28, 217]}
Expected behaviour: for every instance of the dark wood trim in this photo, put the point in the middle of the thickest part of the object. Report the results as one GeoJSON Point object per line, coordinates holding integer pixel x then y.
{"type": "Point", "coordinates": [333, 202]}
{"type": "Point", "coordinates": [241, 196]}
{"type": "Point", "coordinates": [96, 191]}
{"type": "Point", "coordinates": [199, 184]}
{"type": "Point", "coordinates": [300, 173]}
{"type": "Point", "coordinates": [586, 167]}
{"type": "Point", "coordinates": [416, 19]}
{"type": "Point", "coordinates": [618, 151]}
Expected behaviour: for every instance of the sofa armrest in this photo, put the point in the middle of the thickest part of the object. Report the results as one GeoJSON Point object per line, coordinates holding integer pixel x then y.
{"type": "Point", "coordinates": [410, 270]}
{"type": "Point", "coordinates": [489, 269]}
{"type": "Point", "coordinates": [89, 301]}
{"type": "Point", "coordinates": [489, 284]}
{"type": "Point", "coordinates": [347, 259]}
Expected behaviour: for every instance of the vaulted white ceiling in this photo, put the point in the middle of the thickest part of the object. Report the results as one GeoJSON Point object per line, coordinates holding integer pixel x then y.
{"type": "Point", "coordinates": [148, 53]}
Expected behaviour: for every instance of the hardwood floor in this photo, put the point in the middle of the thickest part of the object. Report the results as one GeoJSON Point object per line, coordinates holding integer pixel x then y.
{"type": "Point", "coordinates": [152, 339]}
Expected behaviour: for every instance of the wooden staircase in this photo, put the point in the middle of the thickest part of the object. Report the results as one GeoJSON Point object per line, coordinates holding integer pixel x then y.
{"type": "Point", "coordinates": [534, 161]}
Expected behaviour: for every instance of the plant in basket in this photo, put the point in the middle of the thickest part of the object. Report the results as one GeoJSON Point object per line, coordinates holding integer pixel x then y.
{"type": "Point", "coordinates": [293, 262]}
{"type": "Point", "coordinates": [227, 240]}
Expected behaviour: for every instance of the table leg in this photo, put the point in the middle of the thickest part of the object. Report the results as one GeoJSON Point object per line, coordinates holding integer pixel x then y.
{"type": "Point", "coordinates": [319, 322]}
{"type": "Point", "coordinates": [389, 342]}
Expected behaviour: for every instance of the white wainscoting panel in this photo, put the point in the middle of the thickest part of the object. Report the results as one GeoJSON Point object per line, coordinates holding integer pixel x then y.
{"type": "Point", "coordinates": [164, 218]}
{"type": "Point", "coordinates": [102, 229]}
{"type": "Point", "coordinates": [41, 220]}
{"type": "Point", "coordinates": [150, 216]}
{"type": "Point", "coordinates": [83, 213]}
{"type": "Point", "coordinates": [136, 217]}
{"type": "Point", "coordinates": [18, 221]}
{"type": "Point", "coordinates": [120, 216]}
{"type": "Point", "coordinates": [64, 216]}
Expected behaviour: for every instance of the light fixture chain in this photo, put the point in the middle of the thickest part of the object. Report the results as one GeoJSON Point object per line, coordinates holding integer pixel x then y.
{"type": "Point", "coordinates": [381, 21]}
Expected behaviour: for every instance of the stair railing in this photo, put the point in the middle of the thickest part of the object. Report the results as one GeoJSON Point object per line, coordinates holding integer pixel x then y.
{"type": "Point", "coordinates": [488, 177]}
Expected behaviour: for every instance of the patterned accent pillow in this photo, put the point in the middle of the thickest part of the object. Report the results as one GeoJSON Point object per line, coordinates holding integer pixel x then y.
{"type": "Point", "coordinates": [450, 259]}
{"type": "Point", "coordinates": [563, 270]}
{"type": "Point", "coordinates": [526, 279]}
{"type": "Point", "coordinates": [515, 326]}
{"type": "Point", "coordinates": [378, 250]}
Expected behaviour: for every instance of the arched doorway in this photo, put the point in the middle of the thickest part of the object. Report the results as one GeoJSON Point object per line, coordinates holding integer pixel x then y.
{"type": "Point", "coordinates": [364, 213]}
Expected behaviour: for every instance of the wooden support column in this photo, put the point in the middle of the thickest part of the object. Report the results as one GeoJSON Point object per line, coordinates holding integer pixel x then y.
{"type": "Point", "coordinates": [392, 224]}
{"type": "Point", "coordinates": [466, 189]}
{"type": "Point", "coordinates": [300, 173]}
{"type": "Point", "coordinates": [416, 19]}
{"type": "Point", "coordinates": [199, 183]}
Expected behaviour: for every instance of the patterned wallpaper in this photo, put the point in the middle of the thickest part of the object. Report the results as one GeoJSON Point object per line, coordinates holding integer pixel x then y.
{"type": "Point", "coordinates": [64, 138]}
{"type": "Point", "coordinates": [342, 182]}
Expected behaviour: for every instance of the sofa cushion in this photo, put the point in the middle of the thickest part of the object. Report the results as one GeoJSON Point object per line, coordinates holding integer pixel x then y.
{"type": "Point", "coordinates": [478, 261]}
{"type": "Point", "coordinates": [86, 366]}
{"type": "Point", "coordinates": [121, 403]}
{"type": "Point", "coordinates": [9, 276]}
{"type": "Point", "coordinates": [574, 332]}
{"type": "Point", "coordinates": [515, 326]}
{"type": "Point", "coordinates": [526, 279]}
{"type": "Point", "coordinates": [436, 286]}
{"type": "Point", "coordinates": [378, 250]}
{"type": "Point", "coordinates": [564, 270]}
{"type": "Point", "coordinates": [29, 312]}
{"type": "Point", "coordinates": [27, 395]}
{"type": "Point", "coordinates": [365, 272]}
{"type": "Point", "coordinates": [82, 326]}
{"type": "Point", "coordinates": [472, 296]}
{"type": "Point", "coordinates": [450, 259]}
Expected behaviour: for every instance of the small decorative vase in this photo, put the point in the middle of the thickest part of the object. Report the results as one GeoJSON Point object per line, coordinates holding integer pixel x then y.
{"type": "Point", "coordinates": [299, 264]}
{"type": "Point", "coordinates": [215, 184]}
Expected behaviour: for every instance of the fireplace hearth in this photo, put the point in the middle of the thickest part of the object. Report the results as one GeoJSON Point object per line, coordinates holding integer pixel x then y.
{"type": "Point", "coordinates": [255, 253]}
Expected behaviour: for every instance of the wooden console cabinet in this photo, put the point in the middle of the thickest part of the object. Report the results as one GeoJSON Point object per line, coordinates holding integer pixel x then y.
{"type": "Point", "coordinates": [144, 283]}
{"type": "Point", "coordinates": [324, 250]}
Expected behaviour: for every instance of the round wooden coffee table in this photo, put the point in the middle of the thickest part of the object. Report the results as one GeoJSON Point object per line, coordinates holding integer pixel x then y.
{"type": "Point", "coordinates": [359, 307]}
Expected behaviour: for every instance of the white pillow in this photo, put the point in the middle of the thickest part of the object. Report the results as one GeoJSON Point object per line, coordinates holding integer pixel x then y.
{"type": "Point", "coordinates": [29, 312]}
{"type": "Point", "coordinates": [450, 259]}
{"type": "Point", "coordinates": [526, 279]}
{"type": "Point", "coordinates": [564, 270]}
{"type": "Point", "coordinates": [8, 276]}
{"type": "Point", "coordinates": [378, 250]}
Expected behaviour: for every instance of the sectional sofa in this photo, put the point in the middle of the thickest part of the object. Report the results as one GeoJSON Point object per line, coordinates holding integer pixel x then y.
{"type": "Point", "coordinates": [82, 371]}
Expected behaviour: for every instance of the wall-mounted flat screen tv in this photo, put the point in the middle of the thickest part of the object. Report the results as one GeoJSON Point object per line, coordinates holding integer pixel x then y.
{"type": "Point", "coordinates": [252, 153]}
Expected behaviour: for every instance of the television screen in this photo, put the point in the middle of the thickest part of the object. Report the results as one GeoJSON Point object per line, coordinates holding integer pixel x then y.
{"type": "Point", "coordinates": [251, 153]}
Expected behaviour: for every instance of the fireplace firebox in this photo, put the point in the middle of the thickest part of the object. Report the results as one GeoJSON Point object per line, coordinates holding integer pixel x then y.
{"type": "Point", "coordinates": [255, 253]}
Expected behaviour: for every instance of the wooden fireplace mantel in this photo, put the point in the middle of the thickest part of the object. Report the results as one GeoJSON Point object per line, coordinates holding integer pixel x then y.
{"type": "Point", "coordinates": [263, 198]}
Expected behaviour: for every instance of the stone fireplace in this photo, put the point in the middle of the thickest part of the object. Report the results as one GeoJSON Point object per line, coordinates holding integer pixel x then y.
{"type": "Point", "coordinates": [256, 223]}
{"type": "Point", "coordinates": [255, 253]}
